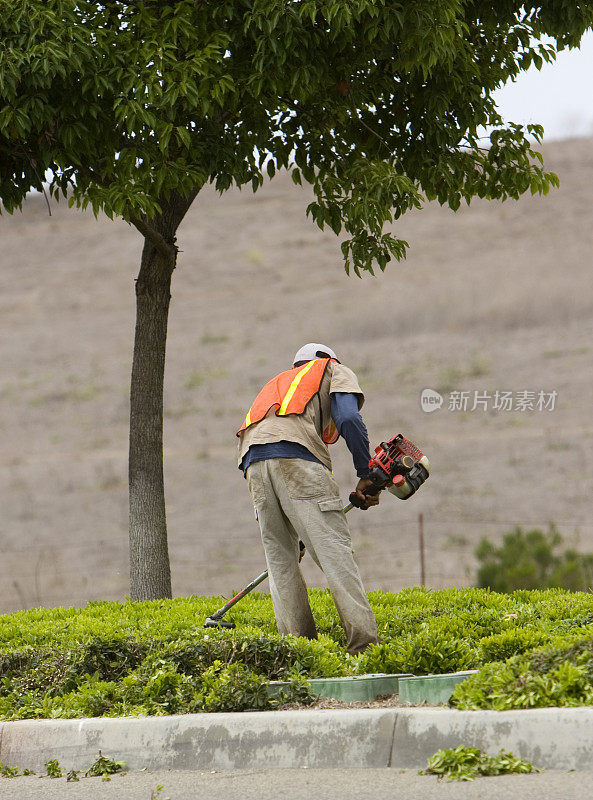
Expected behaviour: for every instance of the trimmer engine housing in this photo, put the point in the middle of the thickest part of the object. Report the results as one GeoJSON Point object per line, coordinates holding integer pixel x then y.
{"type": "Point", "coordinates": [398, 466]}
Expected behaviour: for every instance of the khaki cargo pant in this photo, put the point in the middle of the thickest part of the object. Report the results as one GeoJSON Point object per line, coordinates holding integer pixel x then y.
{"type": "Point", "coordinates": [297, 499]}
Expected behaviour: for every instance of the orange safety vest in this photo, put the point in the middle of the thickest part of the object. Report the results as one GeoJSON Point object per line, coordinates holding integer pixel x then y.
{"type": "Point", "coordinates": [291, 392]}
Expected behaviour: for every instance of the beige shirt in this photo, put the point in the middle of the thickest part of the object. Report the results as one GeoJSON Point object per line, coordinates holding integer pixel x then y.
{"type": "Point", "coordinates": [306, 428]}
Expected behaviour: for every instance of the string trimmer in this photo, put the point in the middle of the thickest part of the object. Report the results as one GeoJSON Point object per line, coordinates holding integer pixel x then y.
{"type": "Point", "coordinates": [398, 466]}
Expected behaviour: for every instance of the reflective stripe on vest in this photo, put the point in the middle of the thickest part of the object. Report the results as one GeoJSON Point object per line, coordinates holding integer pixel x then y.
{"type": "Point", "coordinates": [290, 392]}
{"type": "Point", "coordinates": [294, 386]}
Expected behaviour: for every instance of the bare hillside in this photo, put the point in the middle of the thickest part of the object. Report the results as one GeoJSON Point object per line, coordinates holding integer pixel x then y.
{"type": "Point", "coordinates": [497, 297]}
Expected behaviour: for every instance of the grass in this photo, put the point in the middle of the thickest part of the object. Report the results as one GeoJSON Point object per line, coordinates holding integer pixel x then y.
{"type": "Point", "coordinates": [479, 367]}
{"type": "Point", "coordinates": [72, 389]}
{"type": "Point", "coordinates": [254, 256]}
{"type": "Point", "coordinates": [211, 338]}
{"type": "Point", "coordinates": [108, 479]}
{"type": "Point", "coordinates": [452, 377]}
{"type": "Point", "coordinates": [197, 378]}
{"type": "Point", "coordinates": [179, 412]}
{"type": "Point", "coordinates": [575, 351]}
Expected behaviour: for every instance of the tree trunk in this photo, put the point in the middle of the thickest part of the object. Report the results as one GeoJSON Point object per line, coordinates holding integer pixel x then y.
{"type": "Point", "coordinates": [150, 572]}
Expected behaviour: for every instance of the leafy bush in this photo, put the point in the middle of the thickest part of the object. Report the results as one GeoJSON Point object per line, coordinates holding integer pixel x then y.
{"type": "Point", "coordinates": [553, 676]}
{"type": "Point", "coordinates": [501, 646]}
{"type": "Point", "coordinates": [528, 560]}
{"type": "Point", "coordinates": [465, 763]}
{"type": "Point", "coordinates": [115, 659]}
{"type": "Point", "coordinates": [427, 652]}
{"type": "Point", "coordinates": [157, 688]}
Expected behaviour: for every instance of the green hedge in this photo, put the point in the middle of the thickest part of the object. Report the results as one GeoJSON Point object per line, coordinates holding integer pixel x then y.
{"type": "Point", "coordinates": [552, 676]}
{"type": "Point", "coordinates": [117, 659]}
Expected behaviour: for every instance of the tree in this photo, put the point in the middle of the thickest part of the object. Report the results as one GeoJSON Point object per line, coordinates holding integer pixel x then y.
{"type": "Point", "coordinates": [131, 107]}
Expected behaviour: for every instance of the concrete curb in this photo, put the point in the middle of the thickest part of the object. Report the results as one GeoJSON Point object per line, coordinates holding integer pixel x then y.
{"type": "Point", "coordinates": [404, 738]}
{"type": "Point", "coordinates": [258, 740]}
{"type": "Point", "coordinates": [549, 738]}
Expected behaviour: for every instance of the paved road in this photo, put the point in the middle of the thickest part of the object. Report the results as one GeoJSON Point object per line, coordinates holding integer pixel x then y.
{"type": "Point", "coordinates": [301, 784]}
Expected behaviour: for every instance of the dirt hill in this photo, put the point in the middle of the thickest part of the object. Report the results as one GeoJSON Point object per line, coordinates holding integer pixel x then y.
{"type": "Point", "coordinates": [497, 297]}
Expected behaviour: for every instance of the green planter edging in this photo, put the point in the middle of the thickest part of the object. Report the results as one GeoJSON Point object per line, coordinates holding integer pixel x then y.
{"type": "Point", "coordinates": [431, 689]}
{"type": "Point", "coordinates": [357, 687]}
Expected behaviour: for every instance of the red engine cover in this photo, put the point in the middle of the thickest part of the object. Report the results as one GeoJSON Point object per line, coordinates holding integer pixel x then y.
{"type": "Point", "coordinates": [387, 453]}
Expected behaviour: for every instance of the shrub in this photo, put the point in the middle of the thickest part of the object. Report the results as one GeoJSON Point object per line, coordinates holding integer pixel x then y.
{"type": "Point", "coordinates": [423, 654]}
{"type": "Point", "coordinates": [501, 646]}
{"type": "Point", "coordinates": [116, 659]}
{"type": "Point", "coordinates": [554, 676]}
{"type": "Point", "coordinates": [529, 560]}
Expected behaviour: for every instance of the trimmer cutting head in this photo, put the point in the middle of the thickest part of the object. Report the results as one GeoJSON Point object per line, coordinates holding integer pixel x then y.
{"type": "Point", "coordinates": [218, 623]}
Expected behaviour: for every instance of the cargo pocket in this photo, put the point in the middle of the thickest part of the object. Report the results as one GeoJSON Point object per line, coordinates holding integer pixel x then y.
{"type": "Point", "coordinates": [334, 521]}
{"type": "Point", "coordinates": [304, 480]}
{"type": "Point", "coordinates": [335, 504]}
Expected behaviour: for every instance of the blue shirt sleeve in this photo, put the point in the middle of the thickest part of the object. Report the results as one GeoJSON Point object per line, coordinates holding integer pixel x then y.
{"type": "Point", "coordinates": [350, 425]}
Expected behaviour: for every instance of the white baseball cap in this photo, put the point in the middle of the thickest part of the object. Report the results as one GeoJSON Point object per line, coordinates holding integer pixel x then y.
{"type": "Point", "coordinates": [313, 350]}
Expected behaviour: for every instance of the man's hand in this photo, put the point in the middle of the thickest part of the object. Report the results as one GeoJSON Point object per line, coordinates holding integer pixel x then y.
{"type": "Point", "coordinates": [368, 499]}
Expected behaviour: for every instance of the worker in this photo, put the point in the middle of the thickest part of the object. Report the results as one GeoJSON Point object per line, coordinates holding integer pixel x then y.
{"type": "Point", "coordinates": [284, 456]}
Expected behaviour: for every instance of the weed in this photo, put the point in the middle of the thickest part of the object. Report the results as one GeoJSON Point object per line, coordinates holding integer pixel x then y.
{"type": "Point", "coordinates": [465, 763]}
{"type": "Point", "coordinates": [575, 351]}
{"type": "Point", "coordinates": [456, 540]}
{"type": "Point", "coordinates": [406, 371]}
{"type": "Point", "coordinates": [8, 772]}
{"type": "Point", "coordinates": [75, 393]}
{"type": "Point", "coordinates": [13, 772]}
{"type": "Point", "coordinates": [53, 768]}
{"type": "Point", "coordinates": [103, 767]}
{"type": "Point", "coordinates": [181, 411]}
{"type": "Point", "coordinates": [452, 377]}
{"type": "Point", "coordinates": [108, 479]}
{"type": "Point", "coordinates": [197, 378]}
{"type": "Point", "coordinates": [82, 394]}
{"type": "Point", "coordinates": [557, 445]}
{"type": "Point", "coordinates": [209, 338]}
{"type": "Point", "coordinates": [156, 793]}
{"type": "Point", "coordinates": [254, 256]}
{"type": "Point", "coordinates": [449, 379]}
{"type": "Point", "coordinates": [479, 367]}
{"type": "Point", "coordinates": [515, 420]}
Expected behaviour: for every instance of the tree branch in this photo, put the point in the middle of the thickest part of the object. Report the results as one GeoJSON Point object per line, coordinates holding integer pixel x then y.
{"type": "Point", "coordinates": [167, 250]}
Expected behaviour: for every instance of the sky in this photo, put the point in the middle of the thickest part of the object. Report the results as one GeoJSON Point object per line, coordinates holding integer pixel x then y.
{"type": "Point", "coordinates": [560, 96]}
